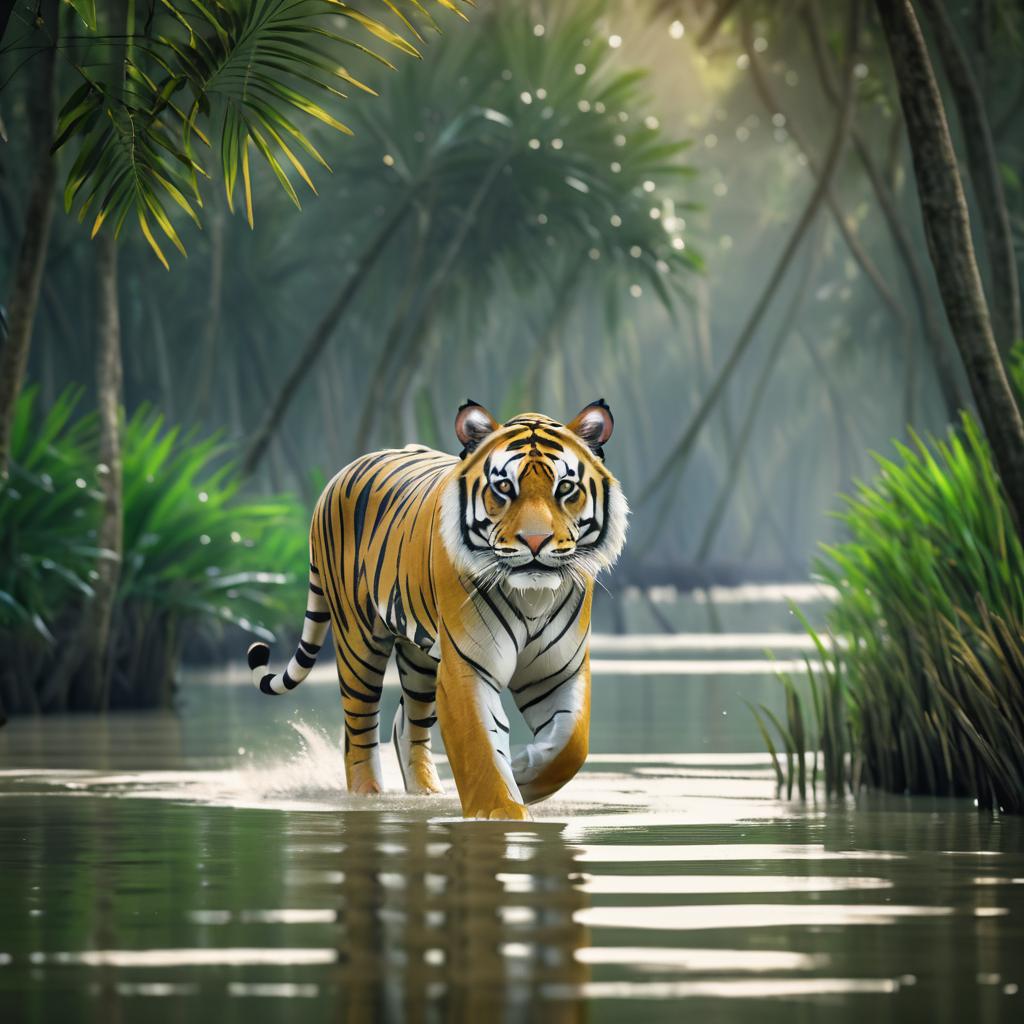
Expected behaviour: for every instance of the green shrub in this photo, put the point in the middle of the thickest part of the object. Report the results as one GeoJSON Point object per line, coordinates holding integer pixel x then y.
{"type": "Point", "coordinates": [929, 667]}
{"type": "Point", "coordinates": [196, 551]}
{"type": "Point", "coordinates": [191, 554]}
{"type": "Point", "coordinates": [46, 511]}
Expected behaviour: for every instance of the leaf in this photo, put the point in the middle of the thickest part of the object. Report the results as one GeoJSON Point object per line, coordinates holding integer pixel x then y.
{"type": "Point", "coordinates": [86, 10]}
{"type": "Point", "coordinates": [377, 28]}
{"type": "Point", "coordinates": [148, 235]}
{"type": "Point", "coordinates": [262, 62]}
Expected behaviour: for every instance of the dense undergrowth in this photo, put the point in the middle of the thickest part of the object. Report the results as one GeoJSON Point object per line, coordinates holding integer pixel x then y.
{"type": "Point", "coordinates": [922, 687]}
{"type": "Point", "coordinates": [196, 552]}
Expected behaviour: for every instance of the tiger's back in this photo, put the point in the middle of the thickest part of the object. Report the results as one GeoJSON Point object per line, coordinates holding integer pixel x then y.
{"type": "Point", "coordinates": [372, 538]}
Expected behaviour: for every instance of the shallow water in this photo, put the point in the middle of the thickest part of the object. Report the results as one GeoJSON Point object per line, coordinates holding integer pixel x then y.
{"type": "Point", "coordinates": [208, 865]}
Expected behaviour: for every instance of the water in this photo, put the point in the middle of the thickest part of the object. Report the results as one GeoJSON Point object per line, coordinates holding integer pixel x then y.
{"type": "Point", "coordinates": [208, 865]}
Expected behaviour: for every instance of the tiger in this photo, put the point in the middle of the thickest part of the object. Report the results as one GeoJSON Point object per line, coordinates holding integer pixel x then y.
{"type": "Point", "coordinates": [477, 571]}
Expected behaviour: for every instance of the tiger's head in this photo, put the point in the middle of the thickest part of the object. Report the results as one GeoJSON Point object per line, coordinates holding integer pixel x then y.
{"type": "Point", "coordinates": [531, 502]}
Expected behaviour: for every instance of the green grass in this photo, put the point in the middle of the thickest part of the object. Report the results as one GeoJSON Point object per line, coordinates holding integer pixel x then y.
{"type": "Point", "coordinates": [925, 692]}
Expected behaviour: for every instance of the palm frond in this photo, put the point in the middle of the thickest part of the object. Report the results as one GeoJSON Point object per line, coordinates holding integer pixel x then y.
{"type": "Point", "coordinates": [238, 77]}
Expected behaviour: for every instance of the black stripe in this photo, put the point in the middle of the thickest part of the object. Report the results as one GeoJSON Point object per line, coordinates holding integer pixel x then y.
{"type": "Point", "coordinates": [318, 616]}
{"type": "Point", "coordinates": [573, 617]}
{"type": "Point", "coordinates": [544, 696]}
{"type": "Point", "coordinates": [424, 723]}
{"type": "Point", "coordinates": [258, 655]}
{"type": "Point", "coordinates": [551, 675]}
{"type": "Point", "coordinates": [303, 658]}
{"type": "Point", "coordinates": [316, 590]}
{"type": "Point", "coordinates": [560, 711]}
{"type": "Point", "coordinates": [422, 696]}
{"type": "Point", "coordinates": [265, 685]}
{"type": "Point", "coordinates": [404, 664]}
{"type": "Point", "coordinates": [476, 666]}
{"type": "Point", "coordinates": [365, 698]}
{"type": "Point", "coordinates": [501, 618]}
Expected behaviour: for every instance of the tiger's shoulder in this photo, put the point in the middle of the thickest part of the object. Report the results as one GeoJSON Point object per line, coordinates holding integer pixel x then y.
{"type": "Point", "coordinates": [377, 472]}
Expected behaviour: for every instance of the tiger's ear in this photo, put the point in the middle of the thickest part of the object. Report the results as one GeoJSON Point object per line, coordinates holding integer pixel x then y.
{"type": "Point", "coordinates": [594, 426]}
{"type": "Point", "coordinates": [472, 424]}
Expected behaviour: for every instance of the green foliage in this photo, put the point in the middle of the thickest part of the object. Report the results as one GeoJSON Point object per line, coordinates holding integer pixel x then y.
{"type": "Point", "coordinates": [827, 694]}
{"type": "Point", "coordinates": [191, 540]}
{"type": "Point", "coordinates": [45, 509]}
{"type": "Point", "coordinates": [238, 75]}
{"type": "Point", "coordinates": [195, 549]}
{"type": "Point", "coordinates": [583, 160]}
{"type": "Point", "coordinates": [930, 617]}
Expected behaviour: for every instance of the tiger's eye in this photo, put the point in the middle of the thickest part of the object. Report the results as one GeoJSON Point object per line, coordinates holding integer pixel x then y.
{"type": "Point", "coordinates": [503, 486]}
{"type": "Point", "coordinates": [564, 489]}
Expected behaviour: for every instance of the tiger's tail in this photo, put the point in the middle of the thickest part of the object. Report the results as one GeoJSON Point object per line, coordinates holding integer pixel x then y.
{"type": "Point", "coordinates": [314, 631]}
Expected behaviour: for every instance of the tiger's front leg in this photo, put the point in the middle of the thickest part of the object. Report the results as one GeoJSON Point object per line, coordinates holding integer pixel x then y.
{"type": "Point", "coordinates": [551, 688]}
{"type": "Point", "coordinates": [476, 732]}
{"type": "Point", "coordinates": [559, 719]}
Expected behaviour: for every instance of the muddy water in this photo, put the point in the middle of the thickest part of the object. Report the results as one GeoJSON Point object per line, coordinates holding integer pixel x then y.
{"type": "Point", "coordinates": [208, 865]}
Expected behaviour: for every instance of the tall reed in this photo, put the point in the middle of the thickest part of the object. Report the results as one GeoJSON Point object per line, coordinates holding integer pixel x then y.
{"type": "Point", "coordinates": [923, 692]}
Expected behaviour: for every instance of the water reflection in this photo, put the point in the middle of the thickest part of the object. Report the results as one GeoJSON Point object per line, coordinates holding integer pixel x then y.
{"type": "Point", "coordinates": [429, 921]}
{"type": "Point", "coordinates": [667, 884]}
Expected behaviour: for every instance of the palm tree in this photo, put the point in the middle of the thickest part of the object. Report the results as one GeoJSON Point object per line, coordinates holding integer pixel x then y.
{"type": "Point", "coordinates": [248, 70]}
{"type": "Point", "coordinates": [242, 76]}
{"type": "Point", "coordinates": [512, 137]}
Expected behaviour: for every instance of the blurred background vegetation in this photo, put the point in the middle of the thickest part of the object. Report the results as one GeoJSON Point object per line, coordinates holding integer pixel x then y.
{"type": "Point", "coordinates": [705, 212]}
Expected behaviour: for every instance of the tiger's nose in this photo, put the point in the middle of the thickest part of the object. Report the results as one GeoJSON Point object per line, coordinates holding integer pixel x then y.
{"type": "Point", "coordinates": [535, 541]}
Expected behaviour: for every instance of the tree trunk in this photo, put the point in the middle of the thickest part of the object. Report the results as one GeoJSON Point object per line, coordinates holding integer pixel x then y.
{"type": "Point", "coordinates": [321, 335]}
{"type": "Point", "coordinates": [948, 231]}
{"type": "Point", "coordinates": [211, 324]}
{"type": "Point", "coordinates": [397, 330]}
{"type": "Point", "coordinates": [81, 678]}
{"type": "Point", "coordinates": [753, 403]}
{"type": "Point", "coordinates": [848, 438]}
{"type": "Point", "coordinates": [406, 325]}
{"type": "Point", "coordinates": [6, 8]}
{"type": "Point", "coordinates": [939, 344]}
{"type": "Point", "coordinates": [771, 102]}
{"type": "Point", "coordinates": [162, 357]}
{"type": "Point", "coordinates": [35, 237]}
{"type": "Point", "coordinates": [549, 337]}
{"type": "Point", "coordinates": [714, 23]}
{"type": "Point", "coordinates": [1003, 290]}
{"type": "Point", "coordinates": [111, 531]}
{"type": "Point", "coordinates": [681, 449]}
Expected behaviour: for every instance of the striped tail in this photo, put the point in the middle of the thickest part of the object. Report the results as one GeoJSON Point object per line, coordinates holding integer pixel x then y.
{"type": "Point", "coordinates": [314, 631]}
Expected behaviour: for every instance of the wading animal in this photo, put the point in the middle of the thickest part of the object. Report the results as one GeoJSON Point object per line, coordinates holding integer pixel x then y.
{"type": "Point", "coordinates": [479, 571]}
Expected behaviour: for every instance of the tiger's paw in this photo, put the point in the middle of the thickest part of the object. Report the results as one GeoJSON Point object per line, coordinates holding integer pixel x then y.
{"type": "Point", "coordinates": [368, 787]}
{"type": "Point", "coordinates": [422, 778]}
{"type": "Point", "coordinates": [364, 781]}
{"type": "Point", "coordinates": [507, 811]}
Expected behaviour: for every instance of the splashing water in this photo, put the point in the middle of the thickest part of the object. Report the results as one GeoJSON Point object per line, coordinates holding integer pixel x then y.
{"type": "Point", "coordinates": [309, 777]}
{"type": "Point", "coordinates": [314, 770]}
